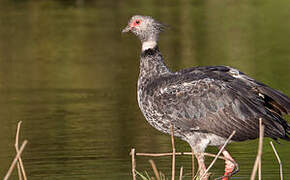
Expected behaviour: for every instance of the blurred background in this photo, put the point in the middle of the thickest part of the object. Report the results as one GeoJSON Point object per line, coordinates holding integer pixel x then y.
{"type": "Point", "coordinates": [70, 75]}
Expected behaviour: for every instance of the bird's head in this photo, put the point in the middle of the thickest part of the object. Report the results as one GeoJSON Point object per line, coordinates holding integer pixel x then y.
{"type": "Point", "coordinates": [144, 27]}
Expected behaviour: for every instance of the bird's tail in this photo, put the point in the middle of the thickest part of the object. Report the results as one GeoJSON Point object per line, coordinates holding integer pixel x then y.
{"type": "Point", "coordinates": [281, 101]}
{"type": "Point", "coordinates": [288, 128]}
{"type": "Point", "coordinates": [287, 134]}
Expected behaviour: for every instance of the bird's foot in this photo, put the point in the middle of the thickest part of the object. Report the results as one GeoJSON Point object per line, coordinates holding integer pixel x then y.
{"type": "Point", "coordinates": [229, 165]}
{"type": "Point", "coordinates": [229, 168]}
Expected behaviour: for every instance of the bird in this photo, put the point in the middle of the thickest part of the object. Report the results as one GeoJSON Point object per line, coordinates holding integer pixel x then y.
{"type": "Point", "coordinates": [204, 104]}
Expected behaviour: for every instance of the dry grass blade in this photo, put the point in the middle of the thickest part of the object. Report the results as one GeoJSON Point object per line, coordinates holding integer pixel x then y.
{"type": "Point", "coordinates": [20, 166]}
{"type": "Point", "coordinates": [17, 149]}
{"type": "Point", "coordinates": [258, 158]}
{"type": "Point", "coordinates": [19, 171]}
{"type": "Point", "coordinates": [180, 173]}
{"type": "Point", "coordinates": [173, 153]}
{"type": "Point", "coordinates": [158, 154]}
{"type": "Point", "coordinates": [133, 163]}
{"type": "Point", "coordinates": [182, 153]}
{"type": "Point", "coordinates": [260, 170]}
{"type": "Point", "coordinates": [15, 160]}
{"type": "Point", "coordinates": [192, 164]}
{"type": "Point", "coordinates": [218, 154]}
{"type": "Point", "coordinates": [279, 160]}
{"type": "Point", "coordinates": [154, 169]}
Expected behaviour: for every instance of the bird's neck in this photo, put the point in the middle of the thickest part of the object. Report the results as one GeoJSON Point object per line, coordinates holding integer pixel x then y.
{"type": "Point", "coordinates": [152, 65]}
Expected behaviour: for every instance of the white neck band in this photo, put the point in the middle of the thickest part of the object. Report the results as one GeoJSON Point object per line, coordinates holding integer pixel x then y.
{"type": "Point", "coordinates": [148, 45]}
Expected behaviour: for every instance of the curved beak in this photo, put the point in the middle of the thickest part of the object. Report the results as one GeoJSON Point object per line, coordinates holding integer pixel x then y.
{"type": "Point", "coordinates": [126, 29]}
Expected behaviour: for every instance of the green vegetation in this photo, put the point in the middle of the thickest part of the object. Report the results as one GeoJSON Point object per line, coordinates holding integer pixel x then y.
{"type": "Point", "coordinates": [146, 176]}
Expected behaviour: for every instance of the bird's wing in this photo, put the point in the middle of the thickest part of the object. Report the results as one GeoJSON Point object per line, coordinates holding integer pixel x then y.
{"type": "Point", "coordinates": [212, 99]}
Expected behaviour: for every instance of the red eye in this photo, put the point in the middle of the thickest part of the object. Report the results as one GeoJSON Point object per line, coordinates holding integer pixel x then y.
{"type": "Point", "coordinates": [137, 22]}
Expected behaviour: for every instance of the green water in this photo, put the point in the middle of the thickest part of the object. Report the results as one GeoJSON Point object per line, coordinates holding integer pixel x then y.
{"type": "Point", "coordinates": [70, 76]}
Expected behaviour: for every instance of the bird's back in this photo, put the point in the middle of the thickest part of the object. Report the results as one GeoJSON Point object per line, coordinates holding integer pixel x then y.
{"type": "Point", "coordinates": [214, 99]}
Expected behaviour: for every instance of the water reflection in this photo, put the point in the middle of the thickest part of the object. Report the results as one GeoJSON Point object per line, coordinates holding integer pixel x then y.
{"type": "Point", "coordinates": [69, 75]}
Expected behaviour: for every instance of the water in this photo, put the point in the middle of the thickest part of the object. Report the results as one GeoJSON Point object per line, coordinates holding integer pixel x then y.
{"type": "Point", "coordinates": [70, 76]}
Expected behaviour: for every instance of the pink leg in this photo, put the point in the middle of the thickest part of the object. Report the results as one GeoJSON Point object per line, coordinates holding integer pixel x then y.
{"type": "Point", "coordinates": [229, 166]}
{"type": "Point", "coordinates": [201, 166]}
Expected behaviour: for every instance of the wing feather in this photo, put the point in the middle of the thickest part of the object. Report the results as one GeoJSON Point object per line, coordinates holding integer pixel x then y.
{"type": "Point", "coordinates": [211, 100]}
